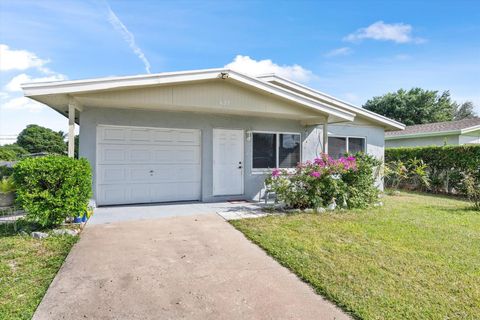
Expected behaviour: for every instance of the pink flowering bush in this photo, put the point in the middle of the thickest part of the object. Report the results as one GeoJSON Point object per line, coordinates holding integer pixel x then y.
{"type": "Point", "coordinates": [349, 181]}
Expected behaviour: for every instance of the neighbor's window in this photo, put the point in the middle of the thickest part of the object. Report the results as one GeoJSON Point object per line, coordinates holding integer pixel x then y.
{"type": "Point", "coordinates": [338, 146]}
{"type": "Point", "coordinates": [275, 150]}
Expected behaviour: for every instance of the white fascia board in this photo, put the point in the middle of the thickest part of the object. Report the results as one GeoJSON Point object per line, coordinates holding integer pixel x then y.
{"type": "Point", "coordinates": [323, 96]}
{"type": "Point", "coordinates": [423, 135]}
{"type": "Point", "coordinates": [88, 85]}
{"type": "Point", "coordinates": [471, 129]}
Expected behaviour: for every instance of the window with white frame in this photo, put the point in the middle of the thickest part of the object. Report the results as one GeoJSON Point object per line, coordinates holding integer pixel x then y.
{"type": "Point", "coordinates": [338, 146]}
{"type": "Point", "coordinates": [275, 150]}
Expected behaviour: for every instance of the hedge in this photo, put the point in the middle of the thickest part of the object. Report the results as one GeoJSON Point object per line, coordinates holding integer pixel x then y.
{"type": "Point", "coordinates": [53, 188]}
{"type": "Point", "coordinates": [464, 158]}
{"type": "Point", "coordinates": [447, 167]}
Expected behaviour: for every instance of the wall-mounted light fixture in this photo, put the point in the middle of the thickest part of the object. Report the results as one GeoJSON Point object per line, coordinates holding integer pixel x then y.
{"type": "Point", "coordinates": [249, 135]}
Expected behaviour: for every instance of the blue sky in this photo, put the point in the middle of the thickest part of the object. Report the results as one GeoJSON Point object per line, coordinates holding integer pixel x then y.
{"type": "Point", "coordinates": [353, 50]}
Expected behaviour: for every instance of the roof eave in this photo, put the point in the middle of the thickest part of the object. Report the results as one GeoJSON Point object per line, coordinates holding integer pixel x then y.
{"type": "Point", "coordinates": [470, 129]}
{"type": "Point", "coordinates": [36, 90]}
{"type": "Point", "coordinates": [394, 125]}
{"type": "Point", "coordinates": [423, 135]}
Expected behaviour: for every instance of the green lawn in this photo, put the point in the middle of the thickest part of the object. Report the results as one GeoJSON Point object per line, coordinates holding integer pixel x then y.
{"type": "Point", "coordinates": [418, 257]}
{"type": "Point", "coordinates": [27, 266]}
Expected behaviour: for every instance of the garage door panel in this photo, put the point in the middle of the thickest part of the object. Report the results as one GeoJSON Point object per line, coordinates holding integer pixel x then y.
{"type": "Point", "coordinates": [176, 173]}
{"type": "Point", "coordinates": [140, 135]}
{"type": "Point", "coordinates": [120, 154]}
{"type": "Point", "coordinates": [175, 137]}
{"type": "Point", "coordinates": [176, 191]}
{"type": "Point", "coordinates": [111, 174]}
{"type": "Point", "coordinates": [140, 165]}
{"type": "Point", "coordinates": [139, 155]}
{"type": "Point", "coordinates": [112, 194]}
{"type": "Point", "coordinates": [111, 153]}
{"type": "Point", "coordinates": [112, 134]}
{"type": "Point", "coordinates": [186, 155]}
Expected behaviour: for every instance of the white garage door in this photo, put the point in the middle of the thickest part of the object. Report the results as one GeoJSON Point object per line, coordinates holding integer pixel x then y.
{"type": "Point", "coordinates": [141, 165]}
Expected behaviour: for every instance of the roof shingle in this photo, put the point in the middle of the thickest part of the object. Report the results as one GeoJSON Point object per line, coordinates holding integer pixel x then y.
{"type": "Point", "coordinates": [436, 127]}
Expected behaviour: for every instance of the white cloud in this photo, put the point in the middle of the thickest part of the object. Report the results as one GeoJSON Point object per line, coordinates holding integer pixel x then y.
{"type": "Point", "coordinates": [247, 65]}
{"type": "Point", "coordinates": [128, 37]}
{"type": "Point", "coordinates": [396, 32]}
{"type": "Point", "coordinates": [20, 60]}
{"type": "Point", "coordinates": [22, 103]}
{"type": "Point", "coordinates": [343, 51]}
{"type": "Point", "coordinates": [11, 60]}
{"type": "Point", "coordinates": [14, 84]}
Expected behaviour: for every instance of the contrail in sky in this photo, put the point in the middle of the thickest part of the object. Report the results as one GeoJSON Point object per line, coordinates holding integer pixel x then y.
{"type": "Point", "coordinates": [128, 37]}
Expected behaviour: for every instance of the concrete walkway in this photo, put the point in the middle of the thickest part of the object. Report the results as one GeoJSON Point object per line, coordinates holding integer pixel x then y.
{"type": "Point", "coordinates": [181, 267]}
{"type": "Point", "coordinates": [227, 210]}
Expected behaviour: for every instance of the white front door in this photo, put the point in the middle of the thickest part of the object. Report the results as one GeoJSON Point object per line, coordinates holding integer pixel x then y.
{"type": "Point", "coordinates": [228, 161]}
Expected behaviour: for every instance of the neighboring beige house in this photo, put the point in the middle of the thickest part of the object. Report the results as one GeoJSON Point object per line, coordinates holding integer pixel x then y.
{"type": "Point", "coordinates": [466, 131]}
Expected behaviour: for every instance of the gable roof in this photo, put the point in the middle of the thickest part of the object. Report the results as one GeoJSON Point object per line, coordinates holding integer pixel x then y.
{"type": "Point", "coordinates": [320, 96]}
{"type": "Point", "coordinates": [59, 94]}
{"type": "Point", "coordinates": [437, 128]}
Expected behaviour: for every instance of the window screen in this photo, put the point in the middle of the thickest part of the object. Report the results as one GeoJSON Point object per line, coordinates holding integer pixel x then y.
{"type": "Point", "coordinates": [289, 150]}
{"type": "Point", "coordinates": [264, 150]}
{"type": "Point", "coordinates": [356, 145]}
{"type": "Point", "coordinates": [337, 147]}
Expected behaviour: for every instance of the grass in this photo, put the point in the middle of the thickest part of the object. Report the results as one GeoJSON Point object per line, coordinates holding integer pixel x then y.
{"type": "Point", "coordinates": [417, 257]}
{"type": "Point", "coordinates": [27, 266]}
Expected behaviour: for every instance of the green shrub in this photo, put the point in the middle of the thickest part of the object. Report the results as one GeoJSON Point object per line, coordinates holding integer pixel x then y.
{"type": "Point", "coordinates": [446, 166]}
{"type": "Point", "coordinates": [447, 169]}
{"type": "Point", "coordinates": [52, 188]}
{"type": "Point", "coordinates": [7, 185]}
{"type": "Point", "coordinates": [471, 187]}
{"type": "Point", "coordinates": [439, 158]}
{"type": "Point", "coordinates": [11, 152]}
{"type": "Point", "coordinates": [348, 181]}
{"type": "Point", "coordinates": [360, 184]}
{"type": "Point", "coordinates": [410, 175]}
{"type": "Point", "coordinates": [5, 172]}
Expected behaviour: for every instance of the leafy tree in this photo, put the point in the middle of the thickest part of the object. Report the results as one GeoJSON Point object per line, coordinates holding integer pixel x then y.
{"type": "Point", "coordinates": [11, 152]}
{"type": "Point", "coordinates": [415, 106]}
{"type": "Point", "coordinates": [464, 111]}
{"type": "Point", "coordinates": [35, 138]}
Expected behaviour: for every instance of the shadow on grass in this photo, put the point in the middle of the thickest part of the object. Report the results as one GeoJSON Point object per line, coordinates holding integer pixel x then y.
{"type": "Point", "coordinates": [14, 228]}
{"type": "Point", "coordinates": [460, 211]}
{"type": "Point", "coordinates": [468, 208]}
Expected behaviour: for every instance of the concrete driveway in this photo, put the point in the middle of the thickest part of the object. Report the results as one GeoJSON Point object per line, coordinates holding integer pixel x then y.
{"type": "Point", "coordinates": [180, 267]}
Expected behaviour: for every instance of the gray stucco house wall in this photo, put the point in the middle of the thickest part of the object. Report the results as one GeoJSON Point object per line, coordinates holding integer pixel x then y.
{"type": "Point", "coordinates": [312, 139]}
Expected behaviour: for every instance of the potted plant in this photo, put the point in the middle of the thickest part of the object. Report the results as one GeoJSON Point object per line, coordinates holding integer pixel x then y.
{"type": "Point", "coordinates": [83, 218]}
{"type": "Point", "coordinates": [7, 192]}
{"type": "Point", "coordinates": [78, 219]}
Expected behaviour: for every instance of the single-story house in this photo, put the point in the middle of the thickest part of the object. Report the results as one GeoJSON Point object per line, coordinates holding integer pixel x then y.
{"type": "Point", "coordinates": [207, 135]}
{"type": "Point", "coordinates": [466, 131]}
